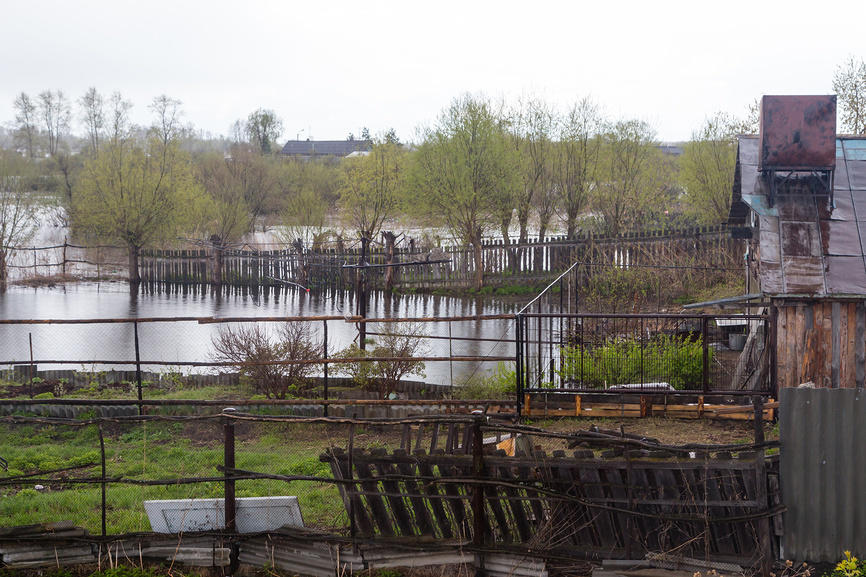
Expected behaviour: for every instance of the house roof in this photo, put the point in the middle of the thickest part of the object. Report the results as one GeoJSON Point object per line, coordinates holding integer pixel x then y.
{"type": "Point", "coordinates": [325, 147]}
{"type": "Point", "coordinates": [807, 246]}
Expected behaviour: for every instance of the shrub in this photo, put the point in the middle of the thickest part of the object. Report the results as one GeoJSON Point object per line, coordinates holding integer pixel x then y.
{"type": "Point", "coordinates": [403, 343]}
{"type": "Point", "coordinates": [500, 384]}
{"type": "Point", "coordinates": [247, 345]}
{"type": "Point", "coordinates": [676, 360]}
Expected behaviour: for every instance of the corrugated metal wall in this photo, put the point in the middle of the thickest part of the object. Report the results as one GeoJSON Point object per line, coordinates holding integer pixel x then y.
{"type": "Point", "coordinates": [823, 473]}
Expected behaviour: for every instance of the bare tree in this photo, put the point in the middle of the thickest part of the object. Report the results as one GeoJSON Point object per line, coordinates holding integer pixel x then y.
{"type": "Point", "coordinates": [55, 112]}
{"type": "Point", "coordinates": [576, 160]}
{"type": "Point", "coordinates": [25, 122]}
{"type": "Point", "coordinates": [92, 106]}
{"type": "Point", "coordinates": [849, 83]}
{"type": "Point", "coordinates": [257, 354]}
{"type": "Point", "coordinates": [17, 214]}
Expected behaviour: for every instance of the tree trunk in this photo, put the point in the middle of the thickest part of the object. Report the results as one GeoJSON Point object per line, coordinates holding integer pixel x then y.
{"type": "Point", "coordinates": [217, 264]}
{"type": "Point", "coordinates": [390, 240]}
{"type": "Point", "coordinates": [134, 276]}
{"type": "Point", "coordinates": [510, 253]}
{"type": "Point", "coordinates": [2, 270]}
{"type": "Point", "coordinates": [479, 260]}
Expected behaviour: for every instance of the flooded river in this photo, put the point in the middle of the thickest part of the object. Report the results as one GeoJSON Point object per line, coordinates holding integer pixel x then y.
{"type": "Point", "coordinates": [80, 344]}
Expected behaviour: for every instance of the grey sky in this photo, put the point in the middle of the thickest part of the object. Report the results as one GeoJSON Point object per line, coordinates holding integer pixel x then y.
{"type": "Point", "coordinates": [333, 67]}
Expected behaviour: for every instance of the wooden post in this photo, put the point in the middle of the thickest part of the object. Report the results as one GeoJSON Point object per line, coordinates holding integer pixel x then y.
{"type": "Point", "coordinates": [705, 362]}
{"type": "Point", "coordinates": [478, 489]}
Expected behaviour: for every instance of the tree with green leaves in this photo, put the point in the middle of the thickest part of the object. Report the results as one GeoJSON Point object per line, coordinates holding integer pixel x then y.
{"type": "Point", "coordinates": [263, 128]}
{"type": "Point", "coordinates": [371, 187]}
{"type": "Point", "coordinates": [849, 83]}
{"type": "Point", "coordinates": [138, 191]}
{"type": "Point", "coordinates": [707, 169]}
{"type": "Point", "coordinates": [461, 168]}
{"type": "Point", "coordinates": [576, 160]}
{"type": "Point", "coordinates": [634, 178]}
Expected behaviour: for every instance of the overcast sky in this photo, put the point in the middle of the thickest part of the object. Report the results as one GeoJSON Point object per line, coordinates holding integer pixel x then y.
{"type": "Point", "coordinates": [329, 68]}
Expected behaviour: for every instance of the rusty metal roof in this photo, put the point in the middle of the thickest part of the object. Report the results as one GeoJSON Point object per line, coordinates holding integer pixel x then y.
{"type": "Point", "coordinates": [805, 245]}
{"type": "Point", "coordinates": [798, 133]}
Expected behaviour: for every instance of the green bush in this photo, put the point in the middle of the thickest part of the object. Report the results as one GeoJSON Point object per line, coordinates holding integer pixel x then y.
{"type": "Point", "coordinates": [676, 360]}
{"type": "Point", "coordinates": [500, 384]}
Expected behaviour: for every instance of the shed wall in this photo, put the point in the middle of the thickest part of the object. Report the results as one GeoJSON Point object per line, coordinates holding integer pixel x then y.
{"type": "Point", "coordinates": [821, 341]}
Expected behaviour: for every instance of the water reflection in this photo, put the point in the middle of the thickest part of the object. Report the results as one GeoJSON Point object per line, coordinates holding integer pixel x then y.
{"type": "Point", "coordinates": [190, 341]}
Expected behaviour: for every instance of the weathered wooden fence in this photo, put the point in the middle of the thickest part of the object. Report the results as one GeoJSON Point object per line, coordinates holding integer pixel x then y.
{"type": "Point", "coordinates": [626, 502]}
{"type": "Point", "coordinates": [534, 261]}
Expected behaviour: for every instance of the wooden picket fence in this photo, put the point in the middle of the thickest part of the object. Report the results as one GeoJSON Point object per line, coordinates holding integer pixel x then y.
{"type": "Point", "coordinates": [512, 263]}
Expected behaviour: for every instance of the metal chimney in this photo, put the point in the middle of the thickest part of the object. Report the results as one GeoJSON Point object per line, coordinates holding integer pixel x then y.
{"type": "Point", "coordinates": [798, 135]}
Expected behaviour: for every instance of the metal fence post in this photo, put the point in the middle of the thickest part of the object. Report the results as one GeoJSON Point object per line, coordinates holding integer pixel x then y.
{"type": "Point", "coordinates": [228, 466]}
{"type": "Point", "coordinates": [325, 356]}
{"type": "Point", "coordinates": [518, 364]}
{"type": "Point", "coordinates": [137, 365]}
{"type": "Point", "coordinates": [102, 478]}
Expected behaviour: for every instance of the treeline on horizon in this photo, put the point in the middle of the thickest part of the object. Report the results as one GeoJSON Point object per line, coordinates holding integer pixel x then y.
{"type": "Point", "coordinates": [480, 168]}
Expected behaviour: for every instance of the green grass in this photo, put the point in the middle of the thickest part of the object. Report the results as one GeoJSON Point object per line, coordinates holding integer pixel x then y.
{"type": "Point", "coordinates": [158, 450]}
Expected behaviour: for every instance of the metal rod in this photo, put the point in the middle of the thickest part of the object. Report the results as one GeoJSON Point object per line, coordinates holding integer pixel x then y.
{"type": "Point", "coordinates": [137, 364]}
{"type": "Point", "coordinates": [103, 478]}
{"type": "Point", "coordinates": [361, 295]}
{"type": "Point", "coordinates": [320, 361]}
{"type": "Point", "coordinates": [30, 338]}
{"type": "Point", "coordinates": [325, 355]}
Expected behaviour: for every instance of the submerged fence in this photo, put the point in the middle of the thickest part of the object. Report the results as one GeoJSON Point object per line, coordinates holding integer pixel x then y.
{"type": "Point", "coordinates": [707, 249]}
{"type": "Point", "coordinates": [461, 482]}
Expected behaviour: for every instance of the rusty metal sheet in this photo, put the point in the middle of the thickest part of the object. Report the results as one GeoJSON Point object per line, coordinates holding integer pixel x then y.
{"type": "Point", "coordinates": [843, 209]}
{"type": "Point", "coordinates": [800, 239]}
{"type": "Point", "coordinates": [798, 133]}
{"type": "Point", "coordinates": [803, 275]}
{"type": "Point", "coordinates": [857, 174]}
{"type": "Point", "coordinates": [845, 274]}
{"type": "Point", "coordinates": [840, 238]}
{"type": "Point", "coordinates": [770, 274]}
{"type": "Point", "coordinates": [796, 207]}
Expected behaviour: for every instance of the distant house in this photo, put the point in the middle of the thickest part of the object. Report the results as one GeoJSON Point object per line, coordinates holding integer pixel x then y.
{"type": "Point", "coordinates": [307, 149]}
{"type": "Point", "coordinates": [799, 194]}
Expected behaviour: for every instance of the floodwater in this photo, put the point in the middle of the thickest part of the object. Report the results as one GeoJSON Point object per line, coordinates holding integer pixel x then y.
{"type": "Point", "coordinates": [79, 345]}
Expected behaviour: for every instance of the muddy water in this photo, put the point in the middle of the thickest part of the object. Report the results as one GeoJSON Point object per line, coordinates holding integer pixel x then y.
{"type": "Point", "coordinates": [79, 344]}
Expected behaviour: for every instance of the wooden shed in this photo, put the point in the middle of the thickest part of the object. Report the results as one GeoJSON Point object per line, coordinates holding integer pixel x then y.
{"type": "Point", "coordinates": [800, 195]}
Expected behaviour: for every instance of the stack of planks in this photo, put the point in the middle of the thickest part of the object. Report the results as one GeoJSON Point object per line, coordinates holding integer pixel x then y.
{"type": "Point", "coordinates": [643, 406]}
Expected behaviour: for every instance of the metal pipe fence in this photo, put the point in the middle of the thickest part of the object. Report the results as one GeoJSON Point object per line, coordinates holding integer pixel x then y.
{"type": "Point", "coordinates": [541, 348]}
